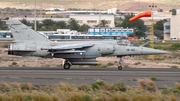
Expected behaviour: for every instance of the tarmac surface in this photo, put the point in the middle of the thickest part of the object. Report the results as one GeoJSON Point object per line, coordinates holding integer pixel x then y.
{"type": "Point", "coordinates": [166, 77]}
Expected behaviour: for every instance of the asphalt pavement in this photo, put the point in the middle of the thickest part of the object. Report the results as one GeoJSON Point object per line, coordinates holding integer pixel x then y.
{"type": "Point", "coordinates": [166, 77]}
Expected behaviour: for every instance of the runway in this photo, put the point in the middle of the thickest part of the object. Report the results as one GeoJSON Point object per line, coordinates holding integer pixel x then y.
{"type": "Point", "coordinates": [44, 76]}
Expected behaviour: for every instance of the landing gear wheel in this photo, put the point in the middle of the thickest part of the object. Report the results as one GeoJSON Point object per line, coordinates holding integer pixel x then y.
{"type": "Point", "coordinates": [120, 63]}
{"type": "Point", "coordinates": [120, 67]}
{"type": "Point", "coordinates": [67, 66]}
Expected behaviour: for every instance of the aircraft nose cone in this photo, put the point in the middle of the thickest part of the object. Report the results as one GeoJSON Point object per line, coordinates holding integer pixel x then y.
{"type": "Point", "coordinates": [152, 51]}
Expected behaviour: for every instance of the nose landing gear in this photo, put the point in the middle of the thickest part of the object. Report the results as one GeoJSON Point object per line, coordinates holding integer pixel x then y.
{"type": "Point", "coordinates": [120, 63]}
{"type": "Point", "coordinates": [66, 64]}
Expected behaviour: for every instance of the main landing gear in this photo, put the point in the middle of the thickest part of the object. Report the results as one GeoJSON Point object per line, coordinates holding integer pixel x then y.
{"type": "Point", "coordinates": [67, 64]}
{"type": "Point", "coordinates": [120, 63]}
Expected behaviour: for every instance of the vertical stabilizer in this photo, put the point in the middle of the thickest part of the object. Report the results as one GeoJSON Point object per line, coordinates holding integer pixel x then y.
{"type": "Point", "coordinates": [22, 32]}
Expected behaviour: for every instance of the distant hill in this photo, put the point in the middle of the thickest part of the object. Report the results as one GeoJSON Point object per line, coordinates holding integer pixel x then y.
{"type": "Point", "coordinates": [123, 5]}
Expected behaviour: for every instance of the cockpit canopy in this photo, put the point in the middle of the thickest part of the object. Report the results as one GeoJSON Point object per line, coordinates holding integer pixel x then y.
{"type": "Point", "coordinates": [126, 43]}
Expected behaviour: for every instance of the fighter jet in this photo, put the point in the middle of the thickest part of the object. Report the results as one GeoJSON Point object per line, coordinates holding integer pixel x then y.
{"type": "Point", "coordinates": [28, 42]}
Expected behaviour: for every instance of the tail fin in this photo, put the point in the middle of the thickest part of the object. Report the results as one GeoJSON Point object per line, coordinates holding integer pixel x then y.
{"type": "Point", "coordinates": [22, 32]}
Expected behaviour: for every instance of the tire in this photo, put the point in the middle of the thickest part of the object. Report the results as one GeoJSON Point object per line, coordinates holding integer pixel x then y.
{"type": "Point", "coordinates": [120, 67]}
{"type": "Point", "coordinates": [67, 66]}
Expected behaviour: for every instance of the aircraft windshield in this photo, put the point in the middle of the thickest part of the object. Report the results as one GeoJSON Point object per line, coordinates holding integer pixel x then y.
{"type": "Point", "coordinates": [126, 43]}
{"type": "Point", "coordinates": [133, 44]}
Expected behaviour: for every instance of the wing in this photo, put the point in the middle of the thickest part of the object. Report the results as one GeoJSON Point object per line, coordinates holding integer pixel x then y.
{"type": "Point", "coordinates": [69, 47]}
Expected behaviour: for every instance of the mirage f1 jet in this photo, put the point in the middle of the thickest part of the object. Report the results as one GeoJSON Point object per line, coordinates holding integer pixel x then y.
{"type": "Point", "coordinates": [28, 42]}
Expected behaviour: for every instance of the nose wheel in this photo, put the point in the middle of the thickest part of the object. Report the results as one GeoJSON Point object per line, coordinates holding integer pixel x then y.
{"type": "Point", "coordinates": [120, 63]}
{"type": "Point", "coordinates": [67, 65]}
{"type": "Point", "coordinates": [120, 67]}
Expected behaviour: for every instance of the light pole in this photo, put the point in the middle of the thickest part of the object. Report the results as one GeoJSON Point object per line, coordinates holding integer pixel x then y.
{"type": "Point", "coordinates": [152, 30]}
{"type": "Point", "coordinates": [35, 15]}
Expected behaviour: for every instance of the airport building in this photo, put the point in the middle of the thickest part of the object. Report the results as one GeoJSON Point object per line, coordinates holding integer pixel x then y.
{"type": "Point", "coordinates": [93, 19]}
{"type": "Point", "coordinates": [89, 19]}
{"type": "Point", "coordinates": [172, 28]}
{"type": "Point", "coordinates": [41, 19]}
{"type": "Point", "coordinates": [119, 31]}
{"type": "Point", "coordinates": [166, 30]}
{"type": "Point", "coordinates": [105, 33]}
{"type": "Point", "coordinates": [175, 27]}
